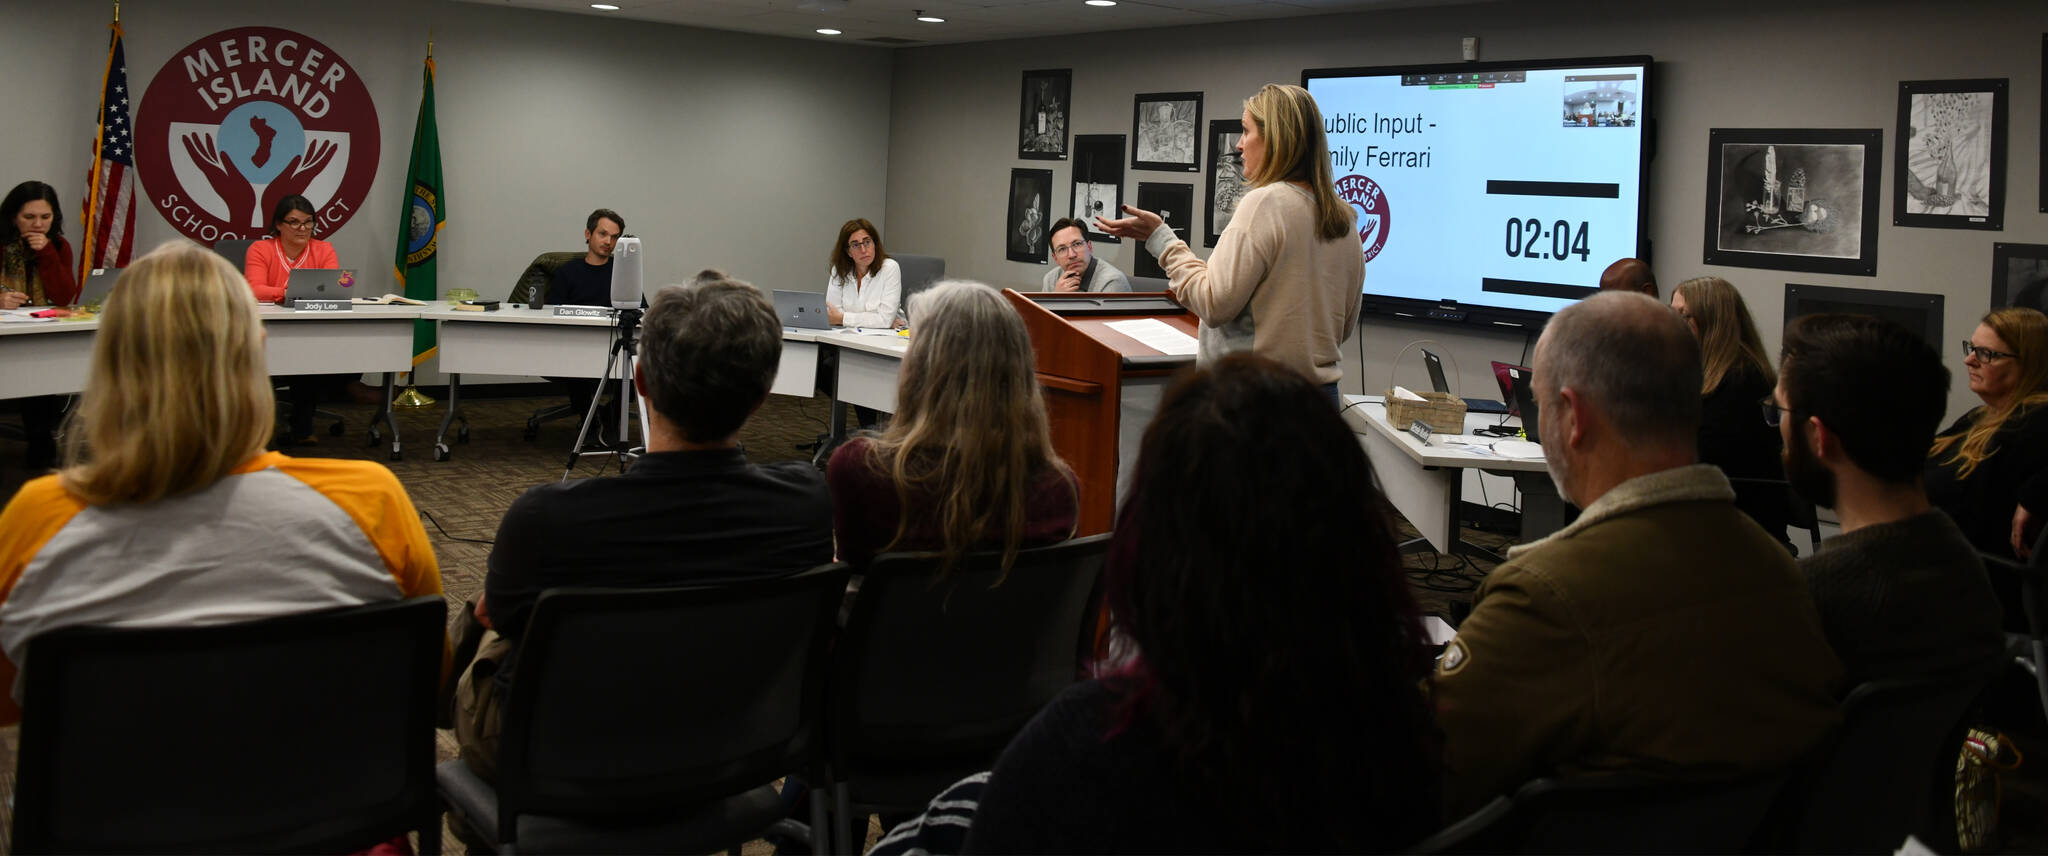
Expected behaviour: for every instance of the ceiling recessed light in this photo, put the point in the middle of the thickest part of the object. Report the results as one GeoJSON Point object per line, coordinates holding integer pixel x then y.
{"type": "Point", "coordinates": [929, 19]}
{"type": "Point", "coordinates": [827, 31]}
{"type": "Point", "coordinates": [605, 6]}
{"type": "Point", "coordinates": [1101, 2]}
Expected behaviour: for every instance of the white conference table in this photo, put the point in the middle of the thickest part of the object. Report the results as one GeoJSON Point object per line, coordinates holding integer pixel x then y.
{"type": "Point", "coordinates": [53, 358]}
{"type": "Point", "coordinates": [1426, 482]}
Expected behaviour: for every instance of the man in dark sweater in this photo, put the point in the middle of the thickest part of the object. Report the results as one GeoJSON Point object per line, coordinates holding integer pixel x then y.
{"type": "Point", "coordinates": [692, 511]}
{"type": "Point", "coordinates": [1901, 591]}
{"type": "Point", "coordinates": [587, 282]}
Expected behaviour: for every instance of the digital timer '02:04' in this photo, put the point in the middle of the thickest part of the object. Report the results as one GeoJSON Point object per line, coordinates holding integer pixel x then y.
{"type": "Point", "coordinates": [1526, 239]}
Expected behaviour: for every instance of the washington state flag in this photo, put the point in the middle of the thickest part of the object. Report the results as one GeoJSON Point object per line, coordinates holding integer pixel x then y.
{"type": "Point", "coordinates": [426, 211]}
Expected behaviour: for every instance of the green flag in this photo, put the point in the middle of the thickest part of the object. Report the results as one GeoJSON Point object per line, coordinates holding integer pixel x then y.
{"type": "Point", "coordinates": [426, 211]}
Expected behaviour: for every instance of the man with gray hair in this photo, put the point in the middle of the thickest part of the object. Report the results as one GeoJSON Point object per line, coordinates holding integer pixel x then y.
{"type": "Point", "coordinates": [692, 511]}
{"type": "Point", "coordinates": [1663, 632]}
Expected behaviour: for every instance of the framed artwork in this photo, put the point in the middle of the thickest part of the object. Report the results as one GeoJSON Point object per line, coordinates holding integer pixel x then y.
{"type": "Point", "coordinates": [1164, 129]}
{"type": "Point", "coordinates": [1226, 176]}
{"type": "Point", "coordinates": [1098, 181]}
{"type": "Point", "coordinates": [2019, 275]}
{"type": "Point", "coordinates": [1793, 199]}
{"type": "Point", "coordinates": [1030, 211]}
{"type": "Point", "coordinates": [1174, 203]}
{"type": "Point", "coordinates": [1949, 169]}
{"type": "Point", "coordinates": [1042, 114]}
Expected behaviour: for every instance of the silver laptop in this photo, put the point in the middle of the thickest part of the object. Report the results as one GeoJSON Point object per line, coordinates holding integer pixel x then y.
{"type": "Point", "coordinates": [310, 284]}
{"type": "Point", "coordinates": [98, 285]}
{"type": "Point", "coordinates": [802, 310]}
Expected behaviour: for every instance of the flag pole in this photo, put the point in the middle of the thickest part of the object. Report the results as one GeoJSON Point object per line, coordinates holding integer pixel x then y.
{"type": "Point", "coordinates": [90, 216]}
{"type": "Point", "coordinates": [412, 396]}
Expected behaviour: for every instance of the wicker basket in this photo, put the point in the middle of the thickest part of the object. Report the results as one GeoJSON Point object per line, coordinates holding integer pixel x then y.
{"type": "Point", "coordinates": [1443, 412]}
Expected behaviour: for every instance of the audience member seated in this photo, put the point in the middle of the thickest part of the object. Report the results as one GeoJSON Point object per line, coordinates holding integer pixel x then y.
{"type": "Point", "coordinates": [588, 282]}
{"type": "Point", "coordinates": [1662, 633]}
{"type": "Point", "coordinates": [169, 512]}
{"type": "Point", "coordinates": [1738, 378]}
{"type": "Point", "coordinates": [290, 246]}
{"type": "Point", "coordinates": [1901, 592]}
{"type": "Point", "coordinates": [1274, 702]}
{"type": "Point", "coordinates": [35, 270]}
{"type": "Point", "coordinates": [1075, 267]}
{"type": "Point", "coordinates": [1989, 470]}
{"type": "Point", "coordinates": [692, 511]}
{"type": "Point", "coordinates": [967, 462]}
{"type": "Point", "coordinates": [1629, 275]}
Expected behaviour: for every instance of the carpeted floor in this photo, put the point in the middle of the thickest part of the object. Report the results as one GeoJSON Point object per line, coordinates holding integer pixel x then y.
{"type": "Point", "coordinates": [464, 497]}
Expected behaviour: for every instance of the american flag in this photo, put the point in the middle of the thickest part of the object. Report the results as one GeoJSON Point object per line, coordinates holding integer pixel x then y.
{"type": "Point", "coordinates": [110, 205]}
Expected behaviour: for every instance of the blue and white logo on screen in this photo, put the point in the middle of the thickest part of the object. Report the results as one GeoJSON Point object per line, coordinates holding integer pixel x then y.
{"type": "Point", "coordinates": [260, 138]}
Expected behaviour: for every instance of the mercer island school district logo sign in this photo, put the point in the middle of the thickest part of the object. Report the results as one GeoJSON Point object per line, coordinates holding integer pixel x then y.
{"type": "Point", "coordinates": [1369, 202]}
{"type": "Point", "coordinates": [242, 118]}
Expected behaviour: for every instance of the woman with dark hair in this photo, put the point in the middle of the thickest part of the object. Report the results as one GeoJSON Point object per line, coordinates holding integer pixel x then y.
{"type": "Point", "coordinates": [35, 270]}
{"type": "Point", "coordinates": [1275, 699]}
{"type": "Point", "coordinates": [1737, 377]}
{"type": "Point", "coordinates": [863, 288]}
{"type": "Point", "coordinates": [269, 264]}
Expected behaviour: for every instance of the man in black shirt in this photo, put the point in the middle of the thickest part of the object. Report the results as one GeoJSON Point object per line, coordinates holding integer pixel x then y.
{"type": "Point", "coordinates": [588, 282]}
{"type": "Point", "coordinates": [692, 511]}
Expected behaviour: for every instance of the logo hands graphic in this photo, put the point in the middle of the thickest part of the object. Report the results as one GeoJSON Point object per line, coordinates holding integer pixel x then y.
{"type": "Point", "coordinates": [299, 173]}
{"type": "Point", "coordinates": [234, 190]}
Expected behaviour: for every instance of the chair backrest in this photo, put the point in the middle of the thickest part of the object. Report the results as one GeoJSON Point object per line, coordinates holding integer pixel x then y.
{"type": "Point", "coordinates": [1148, 283]}
{"type": "Point", "coordinates": [1894, 760]}
{"type": "Point", "coordinates": [1616, 814]}
{"type": "Point", "coordinates": [302, 733]}
{"type": "Point", "coordinates": [919, 272]}
{"type": "Point", "coordinates": [235, 250]}
{"type": "Point", "coordinates": [935, 669]}
{"type": "Point", "coordinates": [534, 279]}
{"type": "Point", "coordinates": [630, 701]}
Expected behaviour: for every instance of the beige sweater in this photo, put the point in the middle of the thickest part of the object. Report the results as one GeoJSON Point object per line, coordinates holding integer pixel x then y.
{"type": "Point", "coordinates": [1271, 285]}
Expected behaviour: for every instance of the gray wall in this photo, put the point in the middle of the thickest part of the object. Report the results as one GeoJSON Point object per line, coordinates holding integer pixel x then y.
{"type": "Point", "coordinates": [1830, 64]}
{"type": "Point", "coordinates": [719, 149]}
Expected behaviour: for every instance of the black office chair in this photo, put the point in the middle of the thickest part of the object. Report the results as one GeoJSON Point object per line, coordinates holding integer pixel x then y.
{"type": "Point", "coordinates": [1616, 814]}
{"type": "Point", "coordinates": [635, 725]}
{"type": "Point", "coordinates": [1890, 773]}
{"type": "Point", "coordinates": [2029, 649]}
{"type": "Point", "coordinates": [302, 734]}
{"type": "Point", "coordinates": [932, 677]}
{"type": "Point", "coordinates": [532, 287]}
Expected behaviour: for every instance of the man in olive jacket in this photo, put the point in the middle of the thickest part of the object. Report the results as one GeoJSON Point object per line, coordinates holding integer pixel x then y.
{"type": "Point", "coordinates": [1663, 632]}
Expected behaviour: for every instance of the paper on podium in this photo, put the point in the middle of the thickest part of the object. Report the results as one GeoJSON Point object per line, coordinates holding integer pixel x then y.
{"type": "Point", "coordinates": [1157, 335]}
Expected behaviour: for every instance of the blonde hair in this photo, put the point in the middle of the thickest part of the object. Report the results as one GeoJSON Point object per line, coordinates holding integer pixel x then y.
{"type": "Point", "coordinates": [1298, 150]}
{"type": "Point", "coordinates": [1728, 337]}
{"type": "Point", "coordinates": [177, 396]}
{"type": "Point", "coordinates": [970, 428]}
{"type": "Point", "coordinates": [2025, 331]}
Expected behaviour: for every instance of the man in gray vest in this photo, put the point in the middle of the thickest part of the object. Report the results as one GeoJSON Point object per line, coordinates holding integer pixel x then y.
{"type": "Point", "coordinates": [1075, 266]}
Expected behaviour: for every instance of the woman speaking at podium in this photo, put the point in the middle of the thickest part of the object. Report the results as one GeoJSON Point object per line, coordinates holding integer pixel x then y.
{"type": "Point", "coordinates": [1286, 274]}
{"type": "Point", "coordinates": [291, 246]}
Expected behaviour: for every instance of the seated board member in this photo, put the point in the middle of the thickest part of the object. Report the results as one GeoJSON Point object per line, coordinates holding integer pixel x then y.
{"type": "Point", "coordinates": [967, 462]}
{"type": "Point", "coordinates": [692, 511]}
{"type": "Point", "coordinates": [269, 264]}
{"type": "Point", "coordinates": [35, 270]}
{"type": "Point", "coordinates": [1901, 592]}
{"type": "Point", "coordinates": [1663, 632]}
{"type": "Point", "coordinates": [169, 512]}
{"type": "Point", "coordinates": [1075, 267]}
{"type": "Point", "coordinates": [863, 288]}
{"type": "Point", "coordinates": [588, 282]}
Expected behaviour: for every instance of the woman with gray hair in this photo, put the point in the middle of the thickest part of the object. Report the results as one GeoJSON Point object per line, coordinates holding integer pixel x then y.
{"type": "Point", "coordinates": [967, 462]}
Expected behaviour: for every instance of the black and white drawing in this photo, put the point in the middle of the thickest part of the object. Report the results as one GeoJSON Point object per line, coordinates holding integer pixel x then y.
{"type": "Point", "coordinates": [1602, 100]}
{"type": "Point", "coordinates": [2019, 275]}
{"type": "Point", "coordinates": [1949, 169]}
{"type": "Point", "coordinates": [1174, 203]}
{"type": "Point", "coordinates": [1164, 131]}
{"type": "Point", "coordinates": [1226, 176]}
{"type": "Point", "coordinates": [1793, 199]}
{"type": "Point", "coordinates": [1098, 180]}
{"type": "Point", "coordinates": [1030, 211]}
{"type": "Point", "coordinates": [1042, 114]}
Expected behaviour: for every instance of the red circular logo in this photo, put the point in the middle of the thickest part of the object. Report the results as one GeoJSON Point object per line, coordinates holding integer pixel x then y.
{"type": "Point", "coordinates": [242, 118]}
{"type": "Point", "coordinates": [1370, 204]}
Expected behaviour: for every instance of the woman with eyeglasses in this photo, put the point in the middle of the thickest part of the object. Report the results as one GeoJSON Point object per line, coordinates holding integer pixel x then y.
{"type": "Point", "coordinates": [1989, 470]}
{"type": "Point", "coordinates": [863, 288]}
{"type": "Point", "coordinates": [269, 264]}
{"type": "Point", "coordinates": [1738, 376]}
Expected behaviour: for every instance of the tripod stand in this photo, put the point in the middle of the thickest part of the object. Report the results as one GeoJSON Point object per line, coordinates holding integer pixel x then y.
{"type": "Point", "coordinates": [620, 364]}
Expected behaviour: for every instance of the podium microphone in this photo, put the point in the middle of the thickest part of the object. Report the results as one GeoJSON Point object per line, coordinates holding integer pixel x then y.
{"type": "Point", "coordinates": [626, 273]}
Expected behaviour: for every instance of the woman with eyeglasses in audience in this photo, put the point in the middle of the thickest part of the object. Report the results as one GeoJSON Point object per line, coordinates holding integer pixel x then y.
{"type": "Point", "coordinates": [269, 264]}
{"type": "Point", "coordinates": [967, 461]}
{"type": "Point", "coordinates": [1275, 701]}
{"type": "Point", "coordinates": [35, 270]}
{"type": "Point", "coordinates": [168, 511]}
{"type": "Point", "coordinates": [1989, 470]}
{"type": "Point", "coordinates": [1739, 377]}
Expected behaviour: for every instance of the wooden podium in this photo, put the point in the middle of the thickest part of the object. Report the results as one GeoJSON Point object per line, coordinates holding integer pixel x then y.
{"type": "Point", "coordinates": [1101, 387]}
